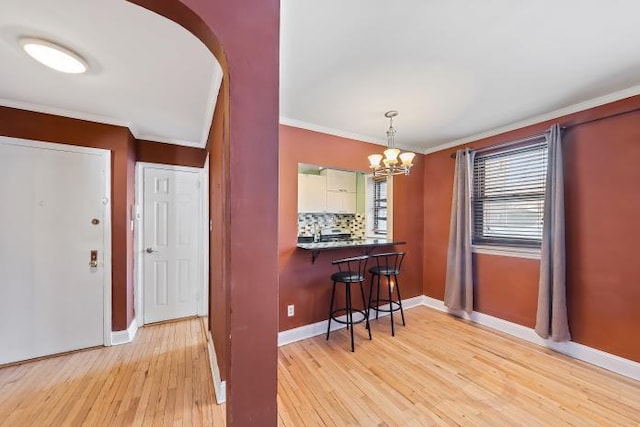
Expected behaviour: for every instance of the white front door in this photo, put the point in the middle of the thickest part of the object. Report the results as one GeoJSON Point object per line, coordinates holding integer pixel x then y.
{"type": "Point", "coordinates": [52, 217]}
{"type": "Point", "coordinates": [172, 206]}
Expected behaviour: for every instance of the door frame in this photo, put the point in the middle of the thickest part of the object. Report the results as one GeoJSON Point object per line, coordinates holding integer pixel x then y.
{"type": "Point", "coordinates": [202, 302]}
{"type": "Point", "coordinates": [106, 239]}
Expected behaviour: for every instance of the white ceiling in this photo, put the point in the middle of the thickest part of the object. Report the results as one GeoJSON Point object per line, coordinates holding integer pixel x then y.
{"type": "Point", "coordinates": [454, 69]}
{"type": "Point", "coordinates": [146, 72]}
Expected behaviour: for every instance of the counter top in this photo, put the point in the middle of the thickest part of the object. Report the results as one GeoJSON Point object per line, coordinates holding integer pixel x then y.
{"type": "Point", "coordinates": [366, 244]}
{"type": "Point", "coordinates": [319, 246]}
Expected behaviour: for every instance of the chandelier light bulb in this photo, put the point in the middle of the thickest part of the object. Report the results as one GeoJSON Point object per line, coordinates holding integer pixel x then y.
{"type": "Point", "coordinates": [375, 159]}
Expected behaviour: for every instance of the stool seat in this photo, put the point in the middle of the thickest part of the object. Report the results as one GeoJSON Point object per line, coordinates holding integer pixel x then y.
{"type": "Point", "coordinates": [350, 273]}
{"type": "Point", "coordinates": [347, 277]}
{"type": "Point", "coordinates": [384, 270]}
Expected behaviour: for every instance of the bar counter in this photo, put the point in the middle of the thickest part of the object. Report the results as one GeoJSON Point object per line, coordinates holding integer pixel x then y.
{"type": "Point", "coordinates": [367, 244]}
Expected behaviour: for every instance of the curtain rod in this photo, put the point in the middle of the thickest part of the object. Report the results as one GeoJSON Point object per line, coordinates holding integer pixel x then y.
{"type": "Point", "coordinates": [504, 144]}
{"type": "Point", "coordinates": [564, 127]}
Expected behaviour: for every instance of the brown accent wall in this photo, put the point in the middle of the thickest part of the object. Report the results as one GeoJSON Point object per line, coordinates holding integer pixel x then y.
{"type": "Point", "coordinates": [602, 207]}
{"type": "Point", "coordinates": [219, 313]}
{"type": "Point", "coordinates": [49, 128]}
{"type": "Point", "coordinates": [244, 37]}
{"type": "Point", "coordinates": [308, 285]}
{"type": "Point", "coordinates": [169, 154]}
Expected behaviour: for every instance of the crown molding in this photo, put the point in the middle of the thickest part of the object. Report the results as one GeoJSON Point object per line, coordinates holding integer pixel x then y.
{"type": "Point", "coordinates": [595, 102]}
{"type": "Point", "coordinates": [330, 131]}
{"type": "Point", "coordinates": [97, 118]}
{"type": "Point", "coordinates": [45, 109]}
{"type": "Point", "coordinates": [172, 141]}
{"type": "Point", "coordinates": [344, 134]}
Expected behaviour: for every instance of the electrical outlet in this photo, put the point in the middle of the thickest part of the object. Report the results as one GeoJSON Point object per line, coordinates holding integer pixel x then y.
{"type": "Point", "coordinates": [291, 310]}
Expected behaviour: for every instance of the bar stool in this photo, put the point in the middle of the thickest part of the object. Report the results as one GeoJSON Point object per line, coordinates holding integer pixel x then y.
{"type": "Point", "coordinates": [351, 271]}
{"type": "Point", "coordinates": [387, 265]}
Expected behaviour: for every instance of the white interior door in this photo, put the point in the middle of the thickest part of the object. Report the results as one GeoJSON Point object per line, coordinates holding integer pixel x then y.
{"type": "Point", "coordinates": [171, 210]}
{"type": "Point", "coordinates": [52, 217]}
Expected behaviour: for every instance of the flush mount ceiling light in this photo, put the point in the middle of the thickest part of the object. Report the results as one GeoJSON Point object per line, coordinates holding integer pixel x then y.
{"type": "Point", "coordinates": [54, 56]}
{"type": "Point", "coordinates": [390, 163]}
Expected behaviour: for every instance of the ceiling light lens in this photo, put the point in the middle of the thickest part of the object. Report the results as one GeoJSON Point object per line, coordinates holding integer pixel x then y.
{"type": "Point", "coordinates": [54, 56]}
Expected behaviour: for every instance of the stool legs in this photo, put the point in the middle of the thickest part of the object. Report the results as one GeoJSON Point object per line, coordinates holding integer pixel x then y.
{"type": "Point", "coordinates": [370, 296]}
{"type": "Point", "coordinates": [393, 331]}
{"type": "Point", "coordinates": [378, 298]}
{"type": "Point", "coordinates": [333, 296]}
{"type": "Point", "coordinates": [391, 300]}
{"type": "Point", "coordinates": [400, 301]}
{"type": "Point", "coordinates": [349, 314]}
{"type": "Point", "coordinates": [364, 305]}
{"type": "Point", "coordinates": [349, 311]}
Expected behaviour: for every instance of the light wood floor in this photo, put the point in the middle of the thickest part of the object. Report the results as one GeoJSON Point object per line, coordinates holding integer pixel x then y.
{"type": "Point", "coordinates": [436, 371]}
{"type": "Point", "coordinates": [162, 378]}
{"type": "Point", "coordinates": [443, 371]}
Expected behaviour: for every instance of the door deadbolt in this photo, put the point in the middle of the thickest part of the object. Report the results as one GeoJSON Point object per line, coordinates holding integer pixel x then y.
{"type": "Point", "coordinates": [93, 259]}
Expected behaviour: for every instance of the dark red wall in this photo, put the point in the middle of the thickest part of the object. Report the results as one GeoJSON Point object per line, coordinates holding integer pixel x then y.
{"type": "Point", "coordinates": [602, 207]}
{"type": "Point", "coordinates": [308, 285]}
{"type": "Point", "coordinates": [602, 195]}
{"type": "Point", "coordinates": [169, 154]}
{"type": "Point", "coordinates": [44, 127]}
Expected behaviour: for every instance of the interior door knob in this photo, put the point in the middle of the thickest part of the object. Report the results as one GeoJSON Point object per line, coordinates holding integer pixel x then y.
{"type": "Point", "coordinates": [150, 250]}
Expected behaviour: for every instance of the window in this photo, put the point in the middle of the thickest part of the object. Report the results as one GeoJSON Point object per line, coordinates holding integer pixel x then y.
{"type": "Point", "coordinates": [508, 196]}
{"type": "Point", "coordinates": [378, 214]}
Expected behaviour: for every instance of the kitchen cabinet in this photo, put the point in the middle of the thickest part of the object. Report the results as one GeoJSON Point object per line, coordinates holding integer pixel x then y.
{"type": "Point", "coordinates": [338, 180]}
{"type": "Point", "coordinates": [341, 191]}
{"type": "Point", "coordinates": [312, 193]}
{"type": "Point", "coordinates": [341, 202]}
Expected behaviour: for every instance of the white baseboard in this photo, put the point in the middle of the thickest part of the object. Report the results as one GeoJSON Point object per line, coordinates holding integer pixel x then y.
{"type": "Point", "coordinates": [126, 336]}
{"type": "Point", "coordinates": [219, 386]}
{"type": "Point", "coordinates": [319, 328]}
{"type": "Point", "coordinates": [608, 361]}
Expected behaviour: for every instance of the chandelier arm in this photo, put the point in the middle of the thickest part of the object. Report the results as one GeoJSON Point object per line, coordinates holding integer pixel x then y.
{"type": "Point", "coordinates": [393, 161]}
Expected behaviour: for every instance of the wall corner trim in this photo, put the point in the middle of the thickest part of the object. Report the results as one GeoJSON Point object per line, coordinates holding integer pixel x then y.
{"type": "Point", "coordinates": [611, 362]}
{"type": "Point", "coordinates": [126, 336]}
{"type": "Point", "coordinates": [219, 386]}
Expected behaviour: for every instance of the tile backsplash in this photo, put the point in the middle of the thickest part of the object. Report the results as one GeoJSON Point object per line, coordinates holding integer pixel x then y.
{"type": "Point", "coordinates": [353, 222]}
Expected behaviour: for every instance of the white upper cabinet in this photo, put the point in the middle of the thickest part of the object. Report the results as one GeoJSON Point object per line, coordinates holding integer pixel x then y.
{"type": "Point", "coordinates": [341, 202]}
{"type": "Point", "coordinates": [341, 191]}
{"type": "Point", "coordinates": [342, 181]}
{"type": "Point", "coordinates": [312, 193]}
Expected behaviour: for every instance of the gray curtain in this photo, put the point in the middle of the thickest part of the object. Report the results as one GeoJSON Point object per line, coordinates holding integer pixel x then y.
{"type": "Point", "coordinates": [458, 291]}
{"type": "Point", "coordinates": [551, 319]}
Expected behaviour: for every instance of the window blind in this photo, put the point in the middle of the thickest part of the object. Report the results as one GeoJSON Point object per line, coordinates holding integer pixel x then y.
{"type": "Point", "coordinates": [380, 206]}
{"type": "Point", "coordinates": [508, 195]}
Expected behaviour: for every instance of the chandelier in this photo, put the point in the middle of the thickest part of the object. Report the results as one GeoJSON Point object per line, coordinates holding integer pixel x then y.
{"type": "Point", "coordinates": [393, 162]}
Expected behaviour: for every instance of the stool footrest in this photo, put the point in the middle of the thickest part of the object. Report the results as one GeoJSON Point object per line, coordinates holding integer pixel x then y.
{"type": "Point", "coordinates": [344, 311]}
{"type": "Point", "coordinates": [393, 305]}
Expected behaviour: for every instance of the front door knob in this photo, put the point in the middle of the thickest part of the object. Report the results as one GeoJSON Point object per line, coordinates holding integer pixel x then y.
{"type": "Point", "coordinates": [150, 251]}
